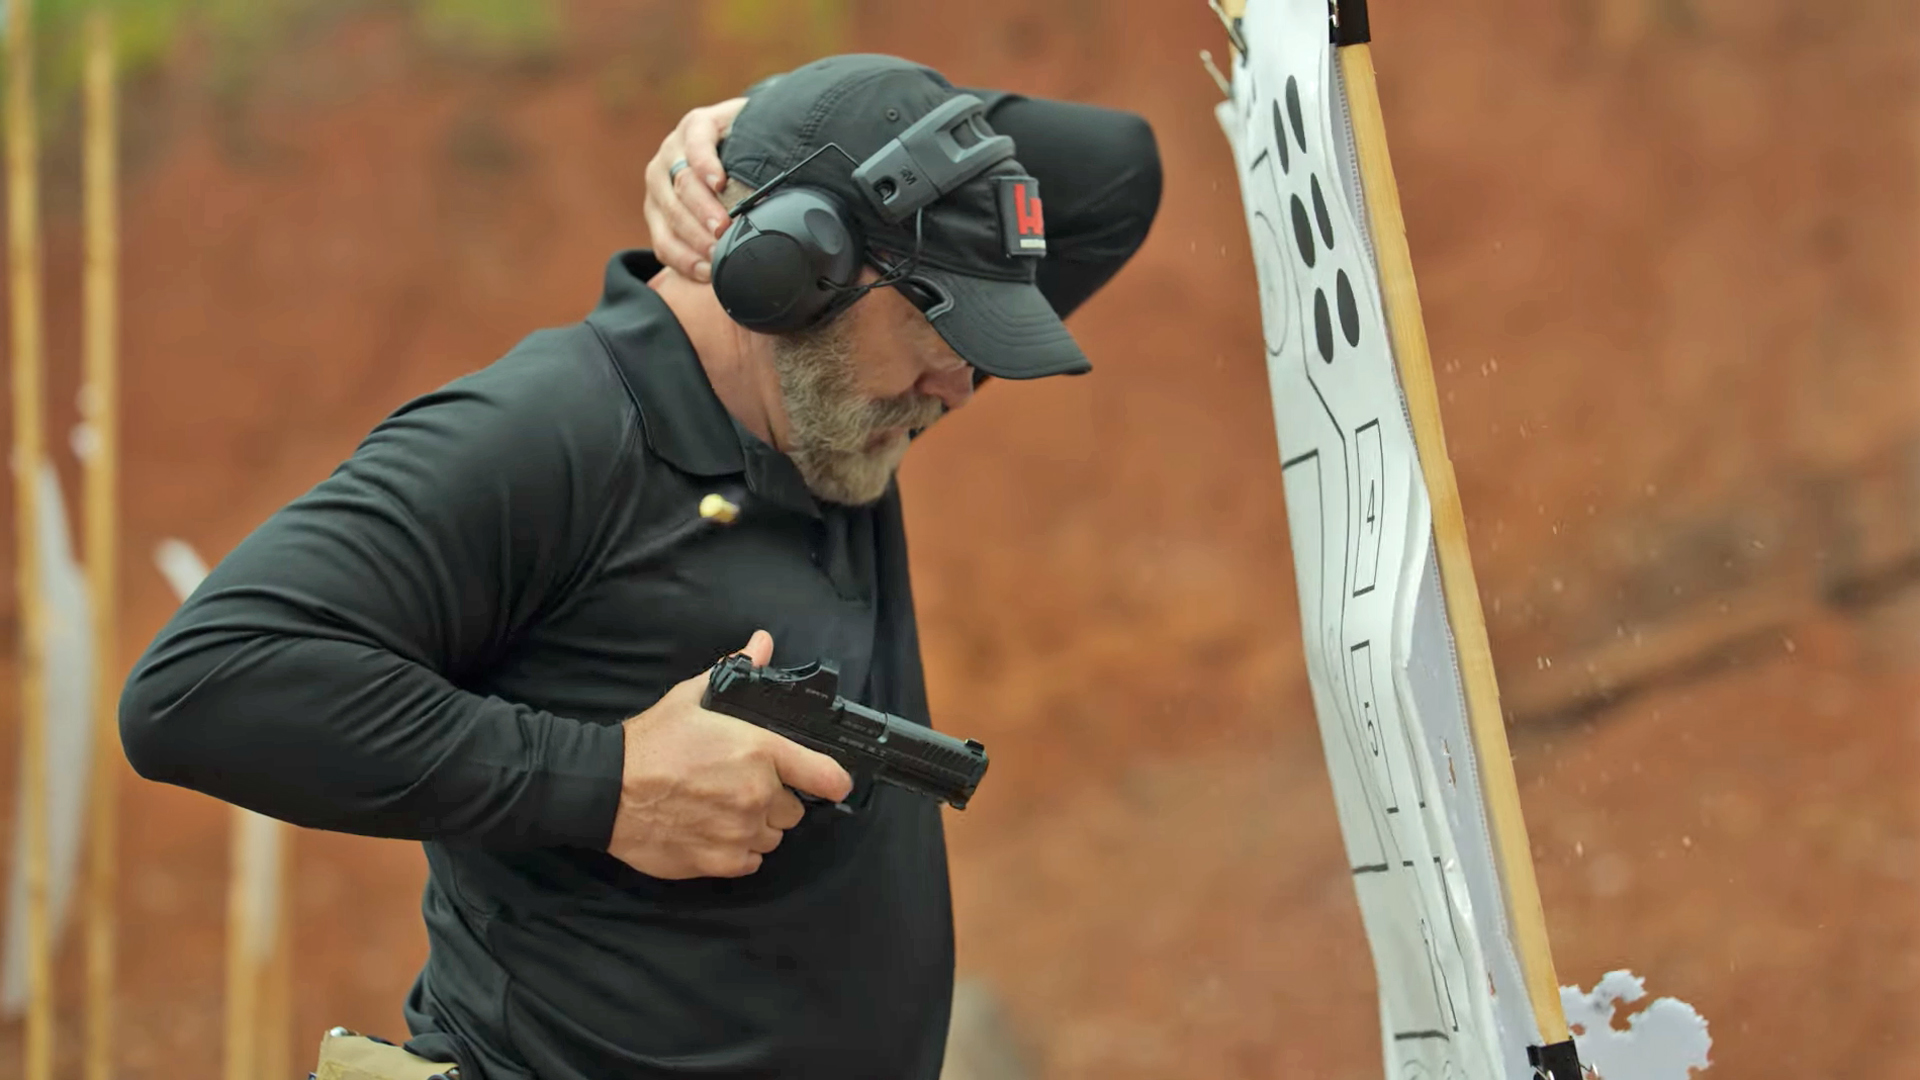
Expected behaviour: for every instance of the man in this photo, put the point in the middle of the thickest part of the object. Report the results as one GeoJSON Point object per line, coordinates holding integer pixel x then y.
{"type": "Point", "coordinates": [489, 629]}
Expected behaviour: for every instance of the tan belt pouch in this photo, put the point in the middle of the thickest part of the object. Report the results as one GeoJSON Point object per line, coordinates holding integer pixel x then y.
{"type": "Point", "coordinates": [347, 1056]}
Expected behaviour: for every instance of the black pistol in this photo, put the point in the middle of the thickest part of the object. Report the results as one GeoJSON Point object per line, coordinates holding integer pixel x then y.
{"type": "Point", "coordinates": [804, 704]}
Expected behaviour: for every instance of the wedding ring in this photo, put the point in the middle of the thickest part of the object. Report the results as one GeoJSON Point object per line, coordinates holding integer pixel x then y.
{"type": "Point", "coordinates": [673, 170]}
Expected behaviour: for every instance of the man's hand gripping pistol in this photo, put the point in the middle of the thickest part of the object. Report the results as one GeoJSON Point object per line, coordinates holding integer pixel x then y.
{"type": "Point", "coordinates": [804, 704]}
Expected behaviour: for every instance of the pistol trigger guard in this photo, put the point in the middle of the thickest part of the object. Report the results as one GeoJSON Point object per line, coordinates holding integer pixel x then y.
{"type": "Point", "coordinates": [810, 800]}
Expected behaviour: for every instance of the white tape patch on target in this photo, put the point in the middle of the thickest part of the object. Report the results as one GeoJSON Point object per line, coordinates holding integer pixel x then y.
{"type": "Point", "coordinates": [1379, 649]}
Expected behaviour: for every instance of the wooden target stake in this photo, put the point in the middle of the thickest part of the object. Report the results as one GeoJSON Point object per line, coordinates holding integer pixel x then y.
{"type": "Point", "coordinates": [1405, 323]}
{"type": "Point", "coordinates": [259, 954]}
{"type": "Point", "coordinates": [102, 401]}
{"type": "Point", "coordinates": [23, 264]}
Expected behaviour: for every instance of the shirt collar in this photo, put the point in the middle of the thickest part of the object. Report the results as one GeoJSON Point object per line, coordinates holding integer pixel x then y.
{"type": "Point", "coordinates": [684, 421]}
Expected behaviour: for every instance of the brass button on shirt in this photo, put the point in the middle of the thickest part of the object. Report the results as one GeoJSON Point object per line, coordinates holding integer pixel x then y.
{"type": "Point", "coordinates": [439, 641]}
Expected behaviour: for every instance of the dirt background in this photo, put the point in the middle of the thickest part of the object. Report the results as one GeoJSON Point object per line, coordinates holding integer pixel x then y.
{"type": "Point", "coordinates": [1665, 249]}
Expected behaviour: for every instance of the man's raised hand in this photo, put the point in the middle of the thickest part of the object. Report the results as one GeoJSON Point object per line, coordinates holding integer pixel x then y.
{"type": "Point", "coordinates": [683, 211]}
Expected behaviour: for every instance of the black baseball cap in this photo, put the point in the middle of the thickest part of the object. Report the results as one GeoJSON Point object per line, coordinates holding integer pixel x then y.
{"type": "Point", "coordinates": [980, 243]}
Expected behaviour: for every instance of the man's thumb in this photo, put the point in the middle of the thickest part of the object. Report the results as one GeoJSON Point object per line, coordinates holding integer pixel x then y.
{"type": "Point", "coordinates": [759, 651]}
{"type": "Point", "coordinates": [759, 648]}
{"type": "Point", "coordinates": [810, 771]}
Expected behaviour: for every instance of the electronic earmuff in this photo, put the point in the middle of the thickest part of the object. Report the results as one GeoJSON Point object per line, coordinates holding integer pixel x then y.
{"type": "Point", "coordinates": [791, 256]}
{"type": "Point", "coordinates": [789, 262]}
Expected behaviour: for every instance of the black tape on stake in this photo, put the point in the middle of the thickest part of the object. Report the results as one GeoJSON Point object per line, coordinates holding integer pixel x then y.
{"type": "Point", "coordinates": [1347, 19]}
{"type": "Point", "coordinates": [1557, 1062]}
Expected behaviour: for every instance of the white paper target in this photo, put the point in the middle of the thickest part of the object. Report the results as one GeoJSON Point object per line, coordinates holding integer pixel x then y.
{"type": "Point", "coordinates": [67, 675]}
{"type": "Point", "coordinates": [1379, 650]}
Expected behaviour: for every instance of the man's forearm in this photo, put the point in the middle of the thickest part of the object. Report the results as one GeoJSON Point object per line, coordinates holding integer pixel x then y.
{"type": "Point", "coordinates": [316, 675]}
{"type": "Point", "coordinates": [339, 735]}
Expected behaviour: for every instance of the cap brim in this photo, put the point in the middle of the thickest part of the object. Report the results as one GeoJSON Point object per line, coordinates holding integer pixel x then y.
{"type": "Point", "coordinates": [1005, 328]}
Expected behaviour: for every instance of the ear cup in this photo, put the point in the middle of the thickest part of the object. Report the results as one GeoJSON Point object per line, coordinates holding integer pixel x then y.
{"type": "Point", "coordinates": [783, 263]}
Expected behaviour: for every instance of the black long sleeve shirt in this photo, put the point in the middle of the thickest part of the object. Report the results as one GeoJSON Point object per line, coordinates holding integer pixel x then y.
{"type": "Point", "coordinates": [440, 640]}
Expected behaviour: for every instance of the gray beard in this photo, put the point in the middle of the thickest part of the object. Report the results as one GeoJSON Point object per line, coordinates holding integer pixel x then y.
{"type": "Point", "coordinates": [832, 425]}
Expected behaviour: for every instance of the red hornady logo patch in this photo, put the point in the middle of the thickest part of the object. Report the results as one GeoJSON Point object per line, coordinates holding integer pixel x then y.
{"type": "Point", "coordinates": [1023, 227]}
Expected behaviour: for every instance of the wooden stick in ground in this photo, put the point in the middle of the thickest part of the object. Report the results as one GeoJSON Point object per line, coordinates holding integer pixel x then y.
{"type": "Point", "coordinates": [1405, 323]}
{"type": "Point", "coordinates": [23, 263]}
{"type": "Point", "coordinates": [275, 1051]}
{"type": "Point", "coordinates": [102, 536]}
{"type": "Point", "coordinates": [243, 1001]}
{"type": "Point", "coordinates": [258, 969]}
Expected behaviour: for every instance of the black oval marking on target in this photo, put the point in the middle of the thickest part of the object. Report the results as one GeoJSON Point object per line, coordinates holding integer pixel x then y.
{"type": "Point", "coordinates": [1322, 325]}
{"type": "Point", "coordinates": [1303, 232]}
{"type": "Point", "coordinates": [1349, 308]}
{"type": "Point", "coordinates": [1320, 214]}
{"type": "Point", "coordinates": [1293, 112]}
{"type": "Point", "coordinates": [1280, 136]}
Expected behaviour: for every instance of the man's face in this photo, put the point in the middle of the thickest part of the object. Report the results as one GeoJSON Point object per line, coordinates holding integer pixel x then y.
{"type": "Point", "coordinates": [855, 388]}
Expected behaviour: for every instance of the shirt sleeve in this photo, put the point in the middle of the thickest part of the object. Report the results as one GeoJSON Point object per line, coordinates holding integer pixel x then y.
{"type": "Point", "coordinates": [316, 675]}
{"type": "Point", "coordinates": [1099, 173]}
